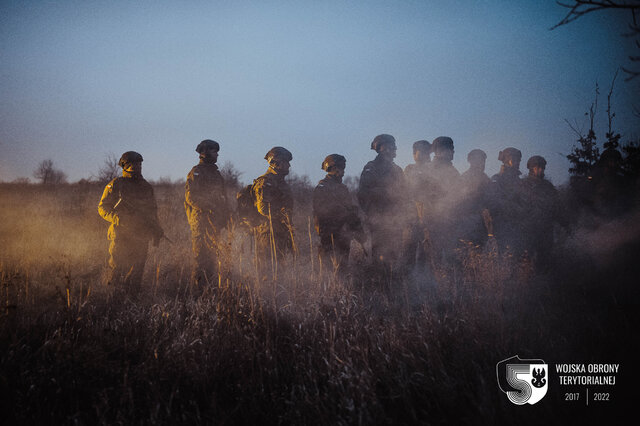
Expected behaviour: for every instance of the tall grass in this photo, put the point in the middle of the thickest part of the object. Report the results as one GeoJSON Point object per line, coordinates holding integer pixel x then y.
{"type": "Point", "coordinates": [306, 346]}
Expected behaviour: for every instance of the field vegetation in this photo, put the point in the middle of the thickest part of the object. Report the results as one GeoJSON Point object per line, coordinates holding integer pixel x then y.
{"type": "Point", "coordinates": [301, 345]}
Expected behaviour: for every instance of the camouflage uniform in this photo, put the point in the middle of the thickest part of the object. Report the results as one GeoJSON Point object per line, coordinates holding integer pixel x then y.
{"type": "Point", "coordinates": [417, 176]}
{"type": "Point", "coordinates": [475, 180]}
{"type": "Point", "coordinates": [416, 173]}
{"type": "Point", "coordinates": [541, 199]}
{"type": "Point", "coordinates": [129, 204]}
{"type": "Point", "coordinates": [505, 202]}
{"type": "Point", "coordinates": [442, 172]}
{"type": "Point", "coordinates": [420, 191]}
{"type": "Point", "coordinates": [207, 212]}
{"type": "Point", "coordinates": [335, 214]}
{"type": "Point", "coordinates": [442, 216]}
{"type": "Point", "coordinates": [382, 196]}
{"type": "Point", "coordinates": [274, 203]}
{"type": "Point", "coordinates": [473, 183]}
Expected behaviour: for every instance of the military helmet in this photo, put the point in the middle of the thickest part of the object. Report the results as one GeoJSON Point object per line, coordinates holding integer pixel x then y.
{"type": "Point", "coordinates": [442, 142]}
{"type": "Point", "coordinates": [129, 157]}
{"type": "Point", "coordinates": [509, 153]}
{"type": "Point", "coordinates": [381, 140]}
{"type": "Point", "coordinates": [334, 160]}
{"type": "Point", "coordinates": [536, 160]}
{"type": "Point", "coordinates": [422, 146]}
{"type": "Point", "coordinates": [476, 153]}
{"type": "Point", "coordinates": [207, 143]}
{"type": "Point", "coordinates": [279, 152]}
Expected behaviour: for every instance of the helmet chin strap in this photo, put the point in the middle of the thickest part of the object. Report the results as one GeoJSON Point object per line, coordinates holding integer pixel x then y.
{"type": "Point", "coordinates": [130, 174]}
{"type": "Point", "coordinates": [207, 159]}
{"type": "Point", "coordinates": [335, 176]}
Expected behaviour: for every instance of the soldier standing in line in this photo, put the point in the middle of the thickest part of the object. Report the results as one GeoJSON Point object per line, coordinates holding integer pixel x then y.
{"type": "Point", "coordinates": [541, 199]}
{"type": "Point", "coordinates": [510, 170]}
{"type": "Point", "coordinates": [382, 196]}
{"type": "Point", "coordinates": [419, 191]}
{"type": "Point", "coordinates": [443, 215]}
{"type": "Point", "coordinates": [129, 205]}
{"type": "Point", "coordinates": [474, 183]}
{"type": "Point", "coordinates": [416, 173]}
{"type": "Point", "coordinates": [207, 211]}
{"type": "Point", "coordinates": [442, 171]}
{"type": "Point", "coordinates": [505, 205]}
{"type": "Point", "coordinates": [274, 203]}
{"type": "Point", "coordinates": [475, 179]}
{"type": "Point", "coordinates": [335, 214]}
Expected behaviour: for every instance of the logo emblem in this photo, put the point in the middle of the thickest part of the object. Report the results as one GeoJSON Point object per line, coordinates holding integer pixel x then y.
{"type": "Point", "coordinates": [525, 381]}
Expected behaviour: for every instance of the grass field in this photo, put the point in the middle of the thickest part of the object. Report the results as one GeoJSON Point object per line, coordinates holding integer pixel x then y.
{"type": "Point", "coordinates": [301, 345]}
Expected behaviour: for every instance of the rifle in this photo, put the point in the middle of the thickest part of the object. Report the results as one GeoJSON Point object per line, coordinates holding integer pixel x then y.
{"type": "Point", "coordinates": [122, 204]}
{"type": "Point", "coordinates": [127, 207]}
{"type": "Point", "coordinates": [354, 225]}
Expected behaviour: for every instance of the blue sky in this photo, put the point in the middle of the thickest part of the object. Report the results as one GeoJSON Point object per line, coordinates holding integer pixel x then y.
{"type": "Point", "coordinates": [81, 79]}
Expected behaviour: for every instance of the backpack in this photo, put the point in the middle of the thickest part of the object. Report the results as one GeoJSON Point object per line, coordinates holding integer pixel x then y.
{"type": "Point", "coordinates": [246, 200]}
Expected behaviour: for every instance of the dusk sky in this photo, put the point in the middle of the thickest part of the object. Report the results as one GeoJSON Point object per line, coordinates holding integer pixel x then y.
{"type": "Point", "coordinates": [81, 79]}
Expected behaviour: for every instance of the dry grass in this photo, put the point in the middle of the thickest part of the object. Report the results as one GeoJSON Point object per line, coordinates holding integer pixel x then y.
{"type": "Point", "coordinates": [306, 347]}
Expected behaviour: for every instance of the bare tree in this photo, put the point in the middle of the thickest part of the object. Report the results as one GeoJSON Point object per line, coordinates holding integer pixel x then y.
{"type": "Point", "coordinates": [301, 188]}
{"type": "Point", "coordinates": [585, 155]}
{"type": "Point", "coordinates": [613, 138]}
{"type": "Point", "coordinates": [579, 8]}
{"type": "Point", "coordinates": [231, 176]}
{"type": "Point", "coordinates": [109, 169]}
{"type": "Point", "coordinates": [49, 175]}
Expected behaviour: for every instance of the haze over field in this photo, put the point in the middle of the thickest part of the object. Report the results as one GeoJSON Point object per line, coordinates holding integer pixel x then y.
{"type": "Point", "coordinates": [83, 79]}
{"type": "Point", "coordinates": [403, 301]}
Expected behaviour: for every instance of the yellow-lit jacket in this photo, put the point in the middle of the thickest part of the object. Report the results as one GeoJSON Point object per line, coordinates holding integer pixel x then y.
{"type": "Point", "coordinates": [205, 196]}
{"type": "Point", "coordinates": [129, 205]}
{"type": "Point", "coordinates": [273, 194]}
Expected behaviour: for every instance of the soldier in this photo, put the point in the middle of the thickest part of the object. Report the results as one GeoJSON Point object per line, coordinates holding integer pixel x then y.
{"type": "Point", "coordinates": [207, 211]}
{"type": "Point", "coordinates": [274, 203]}
{"type": "Point", "coordinates": [335, 214]}
{"type": "Point", "coordinates": [418, 185]}
{"type": "Point", "coordinates": [129, 204]}
{"type": "Point", "coordinates": [416, 173]}
{"type": "Point", "coordinates": [442, 169]}
{"type": "Point", "coordinates": [475, 179]}
{"type": "Point", "coordinates": [442, 216]}
{"type": "Point", "coordinates": [382, 197]}
{"type": "Point", "coordinates": [505, 205]}
{"type": "Point", "coordinates": [509, 175]}
{"type": "Point", "coordinates": [474, 184]}
{"type": "Point", "coordinates": [541, 199]}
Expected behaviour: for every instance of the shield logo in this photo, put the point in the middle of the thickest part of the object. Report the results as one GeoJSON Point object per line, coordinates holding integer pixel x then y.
{"type": "Point", "coordinates": [524, 381]}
